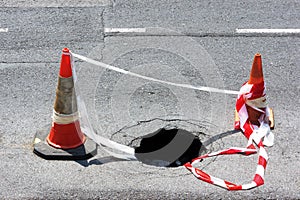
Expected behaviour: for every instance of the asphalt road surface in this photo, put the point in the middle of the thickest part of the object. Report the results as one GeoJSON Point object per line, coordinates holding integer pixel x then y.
{"type": "Point", "coordinates": [188, 42]}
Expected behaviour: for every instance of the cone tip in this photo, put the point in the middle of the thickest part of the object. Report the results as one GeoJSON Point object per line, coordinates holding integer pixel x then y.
{"type": "Point", "coordinates": [257, 55]}
{"type": "Point", "coordinates": [66, 50]}
{"type": "Point", "coordinates": [256, 74]}
{"type": "Point", "coordinates": [65, 65]}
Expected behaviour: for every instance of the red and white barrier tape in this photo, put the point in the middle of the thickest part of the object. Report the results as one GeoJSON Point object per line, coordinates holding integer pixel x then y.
{"type": "Point", "coordinates": [261, 136]}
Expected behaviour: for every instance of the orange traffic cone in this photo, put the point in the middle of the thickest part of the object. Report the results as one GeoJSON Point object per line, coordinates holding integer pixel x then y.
{"type": "Point", "coordinates": [65, 139]}
{"type": "Point", "coordinates": [65, 132]}
{"type": "Point", "coordinates": [258, 98]}
{"type": "Point", "coordinates": [256, 78]}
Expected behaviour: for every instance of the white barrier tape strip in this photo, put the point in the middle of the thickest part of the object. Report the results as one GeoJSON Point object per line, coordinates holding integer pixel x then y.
{"type": "Point", "coordinates": [278, 31]}
{"type": "Point", "coordinates": [263, 153]}
{"type": "Point", "coordinates": [110, 67]}
{"type": "Point", "coordinates": [260, 171]}
{"type": "Point", "coordinates": [127, 152]}
{"type": "Point", "coordinates": [74, 74]}
{"type": "Point", "coordinates": [249, 186]}
{"type": "Point", "coordinates": [124, 30]}
{"type": "Point", "coordinates": [3, 30]}
{"type": "Point", "coordinates": [85, 123]}
{"type": "Point", "coordinates": [64, 119]}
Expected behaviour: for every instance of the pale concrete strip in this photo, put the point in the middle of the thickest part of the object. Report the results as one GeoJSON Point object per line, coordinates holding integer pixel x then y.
{"type": "Point", "coordinates": [157, 31]}
{"type": "Point", "coordinates": [265, 31]}
{"type": "Point", "coordinates": [3, 30]}
{"type": "Point", "coordinates": [57, 3]}
{"type": "Point", "coordinates": [124, 30]}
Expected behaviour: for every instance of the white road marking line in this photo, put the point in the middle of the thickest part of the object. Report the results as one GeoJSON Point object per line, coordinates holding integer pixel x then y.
{"type": "Point", "coordinates": [124, 30]}
{"type": "Point", "coordinates": [3, 30]}
{"type": "Point", "coordinates": [278, 31]}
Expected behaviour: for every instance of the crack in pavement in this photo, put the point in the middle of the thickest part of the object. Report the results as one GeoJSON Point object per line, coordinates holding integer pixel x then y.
{"type": "Point", "coordinates": [102, 33]}
{"type": "Point", "coordinates": [141, 122]}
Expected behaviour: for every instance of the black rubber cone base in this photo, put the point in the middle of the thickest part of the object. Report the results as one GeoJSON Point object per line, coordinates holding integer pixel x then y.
{"type": "Point", "coordinates": [44, 150]}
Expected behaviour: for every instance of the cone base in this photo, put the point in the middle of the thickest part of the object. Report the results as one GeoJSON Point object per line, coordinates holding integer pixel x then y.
{"type": "Point", "coordinates": [66, 136]}
{"type": "Point", "coordinates": [41, 148]}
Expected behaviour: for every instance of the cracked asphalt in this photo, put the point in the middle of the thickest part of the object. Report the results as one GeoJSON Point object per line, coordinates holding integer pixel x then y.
{"type": "Point", "coordinates": [188, 42]}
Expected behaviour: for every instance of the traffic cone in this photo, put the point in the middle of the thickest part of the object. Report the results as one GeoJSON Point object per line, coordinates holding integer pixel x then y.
{"type": "Point", "coordinates": [65, 140]}
{"type": "Point", "coordinates": [257, 80]}
{"type": "Point", "coordinates": [258, 97]}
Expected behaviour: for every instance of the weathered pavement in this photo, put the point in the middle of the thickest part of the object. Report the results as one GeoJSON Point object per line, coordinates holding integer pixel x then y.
{"type": "Point", "coordinates": [185, 42]}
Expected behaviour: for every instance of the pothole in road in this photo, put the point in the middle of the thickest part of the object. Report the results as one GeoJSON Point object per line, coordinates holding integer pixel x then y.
{"type": "Point", "coordinates": [168, 148]}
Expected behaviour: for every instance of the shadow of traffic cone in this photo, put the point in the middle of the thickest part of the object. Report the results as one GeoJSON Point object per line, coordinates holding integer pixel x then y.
{"type": "Point", "coordinates": [256, 103]}
{"type": "Point", "coordinates": [65, 140]}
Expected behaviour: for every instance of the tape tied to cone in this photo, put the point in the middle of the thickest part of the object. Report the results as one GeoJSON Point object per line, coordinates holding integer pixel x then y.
{"type": "Point", "coordinates": [257, 103]}
{"type": "Point", "coordinates": [260, 136]}
{"type": "Point", "coordinates": [255, 127]}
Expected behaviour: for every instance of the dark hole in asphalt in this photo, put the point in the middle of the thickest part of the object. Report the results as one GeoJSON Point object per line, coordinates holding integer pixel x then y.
{"type": "Point", "coordinates": [168, 148]}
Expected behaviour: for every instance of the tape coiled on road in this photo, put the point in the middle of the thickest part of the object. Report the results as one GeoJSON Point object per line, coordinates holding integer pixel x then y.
{"type": "Point", "coordinates": [261, 136]}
